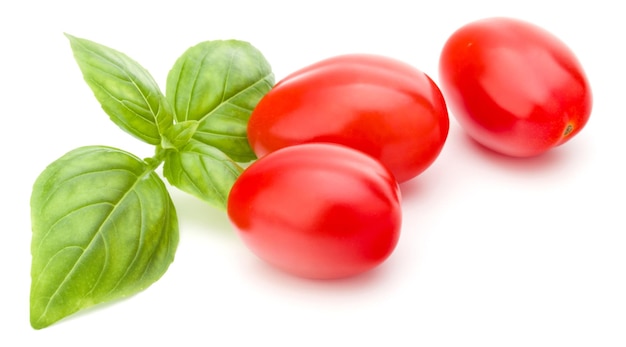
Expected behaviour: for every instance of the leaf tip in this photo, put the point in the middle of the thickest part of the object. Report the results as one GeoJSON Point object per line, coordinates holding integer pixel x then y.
{"type": "Point", "coordinates": [37, 323]}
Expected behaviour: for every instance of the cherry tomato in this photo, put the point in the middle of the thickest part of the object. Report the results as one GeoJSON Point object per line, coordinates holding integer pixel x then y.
{"type": "Point", "coordinates": [317, 210]}
{"type": "Point", "coordinates": [381, 106]}
{"type": "Point", "coordinates": [513, 86]}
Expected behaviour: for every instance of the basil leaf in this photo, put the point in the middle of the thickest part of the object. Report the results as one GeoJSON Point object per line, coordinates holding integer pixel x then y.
{"type": "Point", "coordinates": [103, 227]}
{"type": "Point", "coordinates": [126, 91]}
{"type": "Point", "coordinates": [218, 83]}
{"type": "Point", "coordinates": [179, 134]}
{"type": "Point", "coordinates": [203, 171]}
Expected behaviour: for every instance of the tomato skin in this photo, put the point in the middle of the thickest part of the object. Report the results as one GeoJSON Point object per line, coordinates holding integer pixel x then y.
{"type": "Point", "coordinates": [513, 86]}
{"type": "Point", "coordinates": [320, 211]}
{"type": "Point", "coordinates": [379, 105]}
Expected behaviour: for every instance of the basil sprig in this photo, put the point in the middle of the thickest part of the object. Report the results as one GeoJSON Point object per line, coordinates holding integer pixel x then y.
{"type": "Point", "coordinates": [103, 224]}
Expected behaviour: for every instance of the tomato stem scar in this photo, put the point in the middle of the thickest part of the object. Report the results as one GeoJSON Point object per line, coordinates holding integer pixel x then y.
{"type": "Point", "coordinates": [568, 130]}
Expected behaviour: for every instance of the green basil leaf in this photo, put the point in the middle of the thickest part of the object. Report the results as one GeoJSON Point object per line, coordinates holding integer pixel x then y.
{"type": "Point", "coordinates": [203, 171]}
{"type": "Point", "coordinates": [125, 90]}
{"type": "Point", "coordinates": [179, 134]}
{"type": "Point", "coordinates": [218, 83]}
{"type": "Point", "coordinates": [103, 227]}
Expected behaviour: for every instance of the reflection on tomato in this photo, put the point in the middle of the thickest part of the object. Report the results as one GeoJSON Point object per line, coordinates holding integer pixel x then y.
{"type": "Point", "coordinates": [317, 210]}
{"type": "Point", "coordinates": [513, 86]}
{"type": "Point", "coordinates": [381, 106]}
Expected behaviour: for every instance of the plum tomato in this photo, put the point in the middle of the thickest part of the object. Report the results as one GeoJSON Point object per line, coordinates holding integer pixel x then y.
{"type": "Point", "coordinates": [317, 210]}
{"type": "Point", "coordinates": [379, 105]}
{"type": "Point", "coordinates": [513, 86]}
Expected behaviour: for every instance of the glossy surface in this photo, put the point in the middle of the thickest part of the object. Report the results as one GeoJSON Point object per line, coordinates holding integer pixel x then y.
{"type": "Point", "coordinates": [317, 210]}
{"type": "Point", "coordinates": [513, 86]}
{"type": "Point", "coordinates": [381, 106]}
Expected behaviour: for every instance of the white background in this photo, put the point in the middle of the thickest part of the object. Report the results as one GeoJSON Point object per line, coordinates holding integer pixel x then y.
{"type": "Point", "coordinates": [494, 251]}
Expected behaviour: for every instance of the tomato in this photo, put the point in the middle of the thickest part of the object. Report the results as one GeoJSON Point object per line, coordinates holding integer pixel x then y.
{"type": "Point", "coordinates": [513, 86]}
{"type": "Point", "coordinates": [317, 210]}
{"type": "Point", "coordinates": [381, 106]}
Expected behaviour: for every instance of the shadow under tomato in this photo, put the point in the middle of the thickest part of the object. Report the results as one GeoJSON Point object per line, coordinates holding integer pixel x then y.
{"type": "Point", "coordinates": [280, 280]}
{"type": "Point", "coordinates": [551, 159]}
{"type": "Point", "coordinates": [323, 296]}
{"type": "Point", "coordinates": [411, 188]}
{"type": "Point", "coordinates": [427, 185]}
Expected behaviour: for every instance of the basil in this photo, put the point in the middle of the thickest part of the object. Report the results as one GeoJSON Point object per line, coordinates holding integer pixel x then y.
{"type": "Point", "coordinates": [218, 84]}
{"type": "Point", "coordinates": [203, 171]}
{"type": "Point", "coordinates": [104, 227]}
{"type": "Point", "coordinates": [103, 223]}
{"type": "Point", "coordinates": [126, 91]}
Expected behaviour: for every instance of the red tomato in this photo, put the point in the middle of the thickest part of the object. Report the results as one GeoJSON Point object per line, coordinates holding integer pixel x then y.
{"type": "Point", "coordinates": [514, 87]}
{"type": "Point", "coordinates": [317, 210]}
{"type": "Point", "coordinates": [378, 105]}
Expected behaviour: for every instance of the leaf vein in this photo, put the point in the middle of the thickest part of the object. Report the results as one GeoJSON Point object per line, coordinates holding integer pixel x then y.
{"type": "Point", "coordinates": [91, 243]}
{"type": "Point", "coordinates": [234, 96]}
{"type": "Point", "coordinates": [118, 64]}
{"type": "Point", "coordinates": [137, 249]}
{"type": "Point", "coordinates": [61, 183]}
